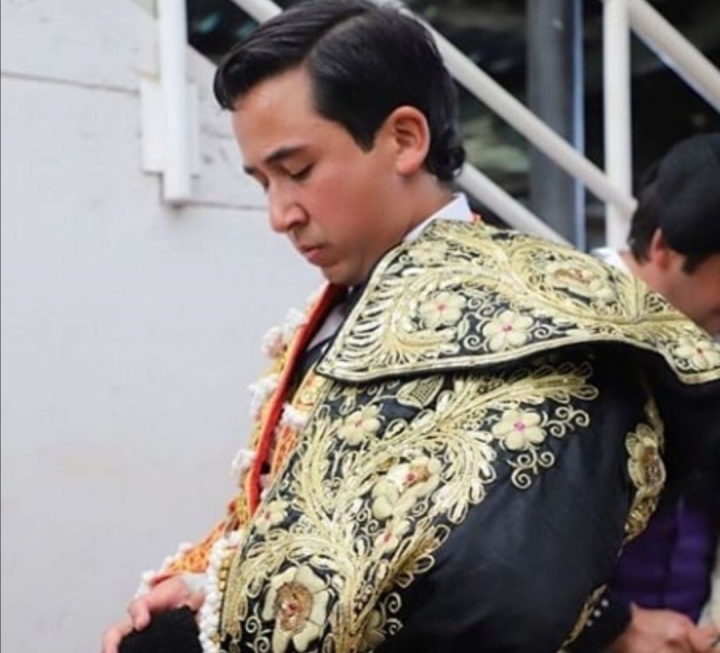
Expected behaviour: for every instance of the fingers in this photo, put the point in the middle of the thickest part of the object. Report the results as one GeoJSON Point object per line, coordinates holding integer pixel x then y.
{"type": "Point", "coordinates": [139, 612]}
{"type": "Point", "coordinates": [195, 601]}
{"type": "Point", "coordinates": [113, 637]}
{"type": "Point", "coordinates": [137, 619]}
{"type": "Point", "coordinates": [168, 595]}
{"type": "Point", "coordinates": [705, 640]}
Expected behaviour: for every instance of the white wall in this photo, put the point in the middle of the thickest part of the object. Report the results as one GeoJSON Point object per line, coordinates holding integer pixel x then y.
{"type": "Point", "coordinates": [130, 331]}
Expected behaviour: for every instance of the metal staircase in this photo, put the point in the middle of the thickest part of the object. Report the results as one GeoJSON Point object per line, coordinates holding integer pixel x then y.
{"type": "Point", "coordinates": [613, 186]}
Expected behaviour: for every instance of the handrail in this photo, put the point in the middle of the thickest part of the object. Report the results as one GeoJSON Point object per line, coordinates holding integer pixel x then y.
{"type": "Point", "coordinates": [676, 51]}
{"type": "Point", "coordinates": [260, 10]}
{"type": "Point", "coordinates": [617, 113]}
{"type": "Point", "coordinates": [486, 89]}
{"type": "Point", "coordinates": [172, 21]}
{"type": "Point", "coordinates": [476, 184]}
{"type": "Point", "coordinates": [471, 179]}
{"type": "Point", "coordinates": [614, 188]}
{"type": "Point", "coordinates": [619, 18]}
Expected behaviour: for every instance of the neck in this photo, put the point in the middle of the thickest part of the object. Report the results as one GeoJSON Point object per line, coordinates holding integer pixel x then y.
{"type": "Point", "coordinates": [632, 263]}
{"type": "Point", "coordinates": [643, 270]}
{"type": "Point", "coordinates": [430, 197]}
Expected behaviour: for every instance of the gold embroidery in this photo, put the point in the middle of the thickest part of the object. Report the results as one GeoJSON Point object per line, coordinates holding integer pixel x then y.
{"type": "Point", "coordinates": [387, 467]}
{"type": "Point", "coordinates": [646, 470]}
{"type": "Point", "coordinates": [304, 401]}
{"type": "Point", "coordinates": [297, 603]}
{"type": "Point", "coordinates": [361, 512]}
{"type": "Point", "coordinates": [466, 295]}
{"type": "Point", "coordinates": [585, 614]}
{"type": "Point", "coordinates": [420, 393]}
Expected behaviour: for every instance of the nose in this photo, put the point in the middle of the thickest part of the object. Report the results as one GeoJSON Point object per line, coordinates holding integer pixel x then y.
{"type": "Point", "coordinates": [285, 213]}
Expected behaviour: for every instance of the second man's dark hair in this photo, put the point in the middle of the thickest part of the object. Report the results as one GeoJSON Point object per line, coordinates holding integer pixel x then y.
{"type": "Point", "coordinates": [364, 61]}
{"type": "Point", "coordinates": [681, 196]}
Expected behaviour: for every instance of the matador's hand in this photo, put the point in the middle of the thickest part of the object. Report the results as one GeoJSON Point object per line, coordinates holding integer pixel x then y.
{"type": "Point", "coordinates": [167, 595]}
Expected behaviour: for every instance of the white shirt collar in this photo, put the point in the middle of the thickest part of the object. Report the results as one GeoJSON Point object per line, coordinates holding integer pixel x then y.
{"type": "Point", "coordinates": [456, 209]}
{"type": "Point", "coordinates": [611, 256]}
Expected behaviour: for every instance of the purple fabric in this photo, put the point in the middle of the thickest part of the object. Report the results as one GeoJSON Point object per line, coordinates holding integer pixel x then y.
{"type": "Point", "coordinates": [668, 565]}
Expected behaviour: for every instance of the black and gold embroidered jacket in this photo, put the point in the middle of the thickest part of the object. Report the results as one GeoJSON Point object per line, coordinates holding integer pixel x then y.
{"type": "Point", "coordinates": [484, 432]}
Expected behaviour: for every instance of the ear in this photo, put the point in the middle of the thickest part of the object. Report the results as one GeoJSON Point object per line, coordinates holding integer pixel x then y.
{"type": "Point", "coordinates": [409, 135]}
{"type": "Point", "coordinates": [660, 253]}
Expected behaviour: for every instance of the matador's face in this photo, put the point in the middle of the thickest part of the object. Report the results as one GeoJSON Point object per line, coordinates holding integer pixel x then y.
{"type": "Point", "coordinates": [340, 205]}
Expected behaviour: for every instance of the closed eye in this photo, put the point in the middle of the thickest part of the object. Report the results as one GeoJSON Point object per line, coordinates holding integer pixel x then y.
{"type": "Point", "coordinates": [302, 174]}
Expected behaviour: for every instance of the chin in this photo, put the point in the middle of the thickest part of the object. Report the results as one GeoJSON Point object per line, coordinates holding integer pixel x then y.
{"type": "Point", "coordinates": [338, 277]}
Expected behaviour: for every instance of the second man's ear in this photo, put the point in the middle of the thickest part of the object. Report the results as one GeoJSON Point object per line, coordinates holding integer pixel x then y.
{"type": "Point", "coordinates": [409, 132]}
{"type": "Point", "coordinates": [659, 252]}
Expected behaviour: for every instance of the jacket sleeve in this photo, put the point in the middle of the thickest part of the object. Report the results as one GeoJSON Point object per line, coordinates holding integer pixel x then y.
{"type": "Point", "coordinates": [524, 571]}
{"type": "Point", "coordinates": [607, 622]}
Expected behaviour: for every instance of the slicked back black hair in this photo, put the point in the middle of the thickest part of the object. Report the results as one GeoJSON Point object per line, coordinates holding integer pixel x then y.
{"type": "Point", "coordinates": [364, 61]}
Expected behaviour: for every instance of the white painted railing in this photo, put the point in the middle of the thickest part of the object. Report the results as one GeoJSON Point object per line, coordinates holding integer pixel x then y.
{"type": "Point", "coordinates": [177, 167]}
{"type": "Point", "coordinates": [260, 10]}
{"type": "Point", "coordinates": [471, 179]}
{"type": "Point", "coordinates": [614, 188]}
{"type": "Point", "coordinates": [619, 17]}
{"type": "Point", "coordinates": [617, 112]}
{"type": "Point", "coordinates": [676, 51]}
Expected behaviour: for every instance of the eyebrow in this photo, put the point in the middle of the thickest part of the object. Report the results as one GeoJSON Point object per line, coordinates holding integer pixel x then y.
{"type": "Point", "coordinates": [276, 156]}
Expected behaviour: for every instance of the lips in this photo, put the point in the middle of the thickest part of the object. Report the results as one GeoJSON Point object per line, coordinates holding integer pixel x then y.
{"type": "Point", "coordinates": [312, 253]}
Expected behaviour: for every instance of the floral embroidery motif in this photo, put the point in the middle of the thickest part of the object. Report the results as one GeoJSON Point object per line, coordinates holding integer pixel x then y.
{"type": "Point", "coordinates": [365, 522]}
{"type": "Point", "coordinates": [403, 485]}
{"type": "Point", "coordinates": [363, 423]}
{"type": "Point", "coordinates": [373, 635]}
{"type": "Point", "coordinates": [297, 602]}
{"type": "Point", "coordinates": [519, 430]}
{"type": "Point", "coordinates": [646, 470]}
{"type": "Point", "coordinates": [389, 539]}
{"type": "Point", "coordinates": [268, 515]}
{"type": "Point", "coordinates": [508, 330]}
{"type": "Point", "coordinates": [427, 254]}
{"type": "Point", "coordinates": [646, 467]}
{"type": "Point", "coordinates": [579, 278]}
{"type": "Point", "coordinates": [488, 296]}
{"type": "Point", "coordinates": [444, 309]}
{"type": "Point", "coordinates": [700, 354]}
